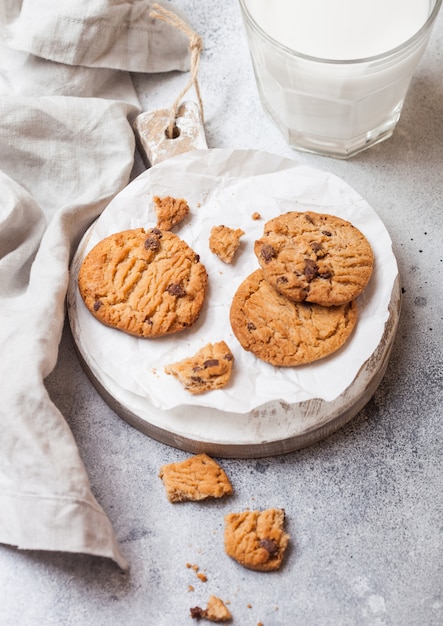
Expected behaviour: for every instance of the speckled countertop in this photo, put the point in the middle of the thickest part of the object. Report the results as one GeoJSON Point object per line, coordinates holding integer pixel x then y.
{"type": "Point", "coordinates": [364, 506]}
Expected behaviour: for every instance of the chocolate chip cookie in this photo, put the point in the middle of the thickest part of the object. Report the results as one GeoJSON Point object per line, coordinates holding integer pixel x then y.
{"type": "Point", "coordinates": [256, 539]}
{"type": "Point", "coordinates": [210, 368]}
{"type": "Point", "coordinates": [315, 257]}
{"type": "Point", "coordinates": [286, 333]}
{"type": "Point", "coordinates": [147, 283]}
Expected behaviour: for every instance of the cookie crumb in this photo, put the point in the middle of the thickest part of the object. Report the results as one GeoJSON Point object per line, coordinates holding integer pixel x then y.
{"type": "Point", "coordinates": [209, 369]}
{"type": "Point", "coordinates": [202, 577]}
{"type": "Point", "coordinates": [225, 241]}
{"type": "Point", "coordinates": [256, 539]}
{"type": "Point", "coordinates": [216, 611]}
{"type": "Point", "coordinates": [196, 478]}
{"type": "Point", "coordinates": [256, 215]}
{"type": "Point", "coordinates": [170, 211]}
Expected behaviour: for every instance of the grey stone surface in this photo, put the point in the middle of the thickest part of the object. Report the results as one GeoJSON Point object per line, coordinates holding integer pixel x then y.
{"type": "Point", "coordinates": [364, 507]}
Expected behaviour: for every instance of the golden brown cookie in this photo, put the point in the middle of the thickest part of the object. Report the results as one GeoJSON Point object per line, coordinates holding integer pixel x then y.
{"type": "Point", "coordinates": [315, 257]}
{"type": "Point", "coordinates": [210, 368]}
{"type": "Point", "coordinates": [146, 283]}
{"type": "Point", "coordinates": [196, 478]}
{"type": "Point", "coordinates": [282, 332]}
{"type": "Point", "coordinates": [256, 539]}
{"type": "Point", "coordinates": [216, 611]}
{"type": "Point", "coordinates": [225, 241]}
{"type": "Point", "coordinates": [170, 211]}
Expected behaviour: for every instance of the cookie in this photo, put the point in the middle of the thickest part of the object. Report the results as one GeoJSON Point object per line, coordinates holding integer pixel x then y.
{"type": "Point", "coordinates": [286, 333]}
{"type": "Point", "coordinates": [256, 539]}
{"type": "Point", "coordinates": [225, 241]}
{"type": "Point", "coordinates": [196, 478]}
{"type": "Point", "coordinates": [147, 283]}
{"type": "Point", "coordinates": [170, 211]}
{"type": "Point", "coordinates": [216, 611]}
{"type": "Point", "coordinates": [315, 257]}
{"type": "Point", "coordinates": [210, 368]}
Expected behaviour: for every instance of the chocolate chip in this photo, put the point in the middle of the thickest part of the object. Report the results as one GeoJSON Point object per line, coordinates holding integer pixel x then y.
{"type": "Point", "coordinates": [197, 612]}
{"type": "Point", "coordinates": [267, 253]}
{"type": "Point", "coordinates": [270, 545]}
{"type": "Point", "coordinates": [211, 363]}
{"type": "Point", "coordinates": [251, 326]}
{"type": "Point", "coordinates": [327, 233]}
{"type": "Point", "coordinates": [97, 305]}
{"type": "Point", "coordinates": [197, 258]}
{"type": "Point", "coordinates": [326, 275]}
{"type": "Point", "coordinates": [316, 246]}
{"type": "Point", "coordinates": [310, 269]}
{"type": "Point", "coordinates": [157, 231]}
{"type": "Point", "coordinates": [196, 379]}
{"type": "Point", "coordinates": [282, 280]}
{"type": "Point", "coordinates": [176, 290]}
{"type": "Point", "coordinates": [309, 218]}
{"type": "Point", "coordinates": [228, 357]}
{"type": "Point", "coordinates": [152, 243]}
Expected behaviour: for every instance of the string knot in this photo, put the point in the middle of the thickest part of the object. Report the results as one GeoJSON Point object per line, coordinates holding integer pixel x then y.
{"type": "Point", "coordinates": [195, 48]}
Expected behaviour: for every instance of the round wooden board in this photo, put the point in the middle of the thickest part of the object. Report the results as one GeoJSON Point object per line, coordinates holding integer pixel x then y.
{"type": "Point", "coordinates": [269, 426]}
{"type": "Point", "coordinates": [277, 428]}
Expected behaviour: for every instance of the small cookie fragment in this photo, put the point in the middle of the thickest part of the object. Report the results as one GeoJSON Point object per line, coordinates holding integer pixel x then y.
{"type": "Point", "coordinates": [256, 216]}
{"type": "Point", "coordinates": [216, 611]}
{"type": "Point", "coordinates": [210, 368]}
{"type": "Point", "coordinates": [170, 211]}
{"type": "Point", "coordinates": [286, 333]}
{"type": "Point", "coordinates": [256, 539]}
{"type": "Point", "coordinates": [315, 257]}
{"type": "Point", "coordinates": [147, 283]}
{"type": "Point", "coordinates": [225, 241]}
{"type": "Point", "coordinates": [196, 478]}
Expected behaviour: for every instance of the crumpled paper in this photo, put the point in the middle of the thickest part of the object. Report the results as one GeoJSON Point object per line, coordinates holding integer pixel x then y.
{"type": "Point", "coordinates": [227, 187]}
{"type": "Point", "coordinates": [66, 148]}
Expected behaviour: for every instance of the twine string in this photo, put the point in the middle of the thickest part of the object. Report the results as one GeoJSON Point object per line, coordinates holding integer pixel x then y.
{"type": "Point", "coordinates": [195, 48]}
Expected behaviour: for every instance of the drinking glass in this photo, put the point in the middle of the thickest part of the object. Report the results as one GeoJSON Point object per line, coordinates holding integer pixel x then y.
{"type": "Point", "coordinates": [333, 107]}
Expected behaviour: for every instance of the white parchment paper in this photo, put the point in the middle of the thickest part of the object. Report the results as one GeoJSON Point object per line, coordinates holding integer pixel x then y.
{"type": "Point", "coordinates": [227, 187]}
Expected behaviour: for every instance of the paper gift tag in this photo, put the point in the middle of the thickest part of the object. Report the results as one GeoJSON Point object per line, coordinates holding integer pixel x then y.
{"type": "Point", "coordinates": [153, 130]}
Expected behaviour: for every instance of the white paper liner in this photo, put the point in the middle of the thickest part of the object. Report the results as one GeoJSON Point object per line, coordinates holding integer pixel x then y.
{"type": "Point", "coordinates": [227, 187]}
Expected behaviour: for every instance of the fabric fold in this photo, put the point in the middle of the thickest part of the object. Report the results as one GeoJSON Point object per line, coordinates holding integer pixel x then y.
{"type": "Point", "coordinates": [67, 148]}
{"type": "Point", "coordinates": [113, 34]}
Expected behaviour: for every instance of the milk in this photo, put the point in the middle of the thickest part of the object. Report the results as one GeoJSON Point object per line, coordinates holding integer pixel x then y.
{"type": "Point", "coordinates": [340, 29]}
{"type": "Point", "coordinates": [350, 95]}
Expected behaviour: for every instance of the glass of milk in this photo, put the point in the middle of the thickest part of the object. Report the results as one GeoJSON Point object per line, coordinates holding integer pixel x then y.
{"type": "Point", "coordinates": [333, 74]}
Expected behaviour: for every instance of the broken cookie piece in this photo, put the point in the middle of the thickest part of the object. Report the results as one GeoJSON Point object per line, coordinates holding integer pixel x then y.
{"type": "Point", "coordinates": [210, 368]}
{"type": "Point", "coordinates": [216, 611]}
{"type": "Point", "coordinates": [196, 478]}
{"type": "Point", "coordinates": [256, 539]}
{"type": "Point", "coordinates": [225, 241]}
{"type": "Point", "coordinates": [170, 211]}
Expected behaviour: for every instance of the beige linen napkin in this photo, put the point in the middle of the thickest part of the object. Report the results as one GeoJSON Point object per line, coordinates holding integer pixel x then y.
{"type": "Point", "coordinates": [66, 148]}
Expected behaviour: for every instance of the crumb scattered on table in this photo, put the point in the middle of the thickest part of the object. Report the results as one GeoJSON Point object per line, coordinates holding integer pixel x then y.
{"type": "Point", "coordinates": [196, 478]}
{"type": "Point", "coordinates": [216, 611]}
